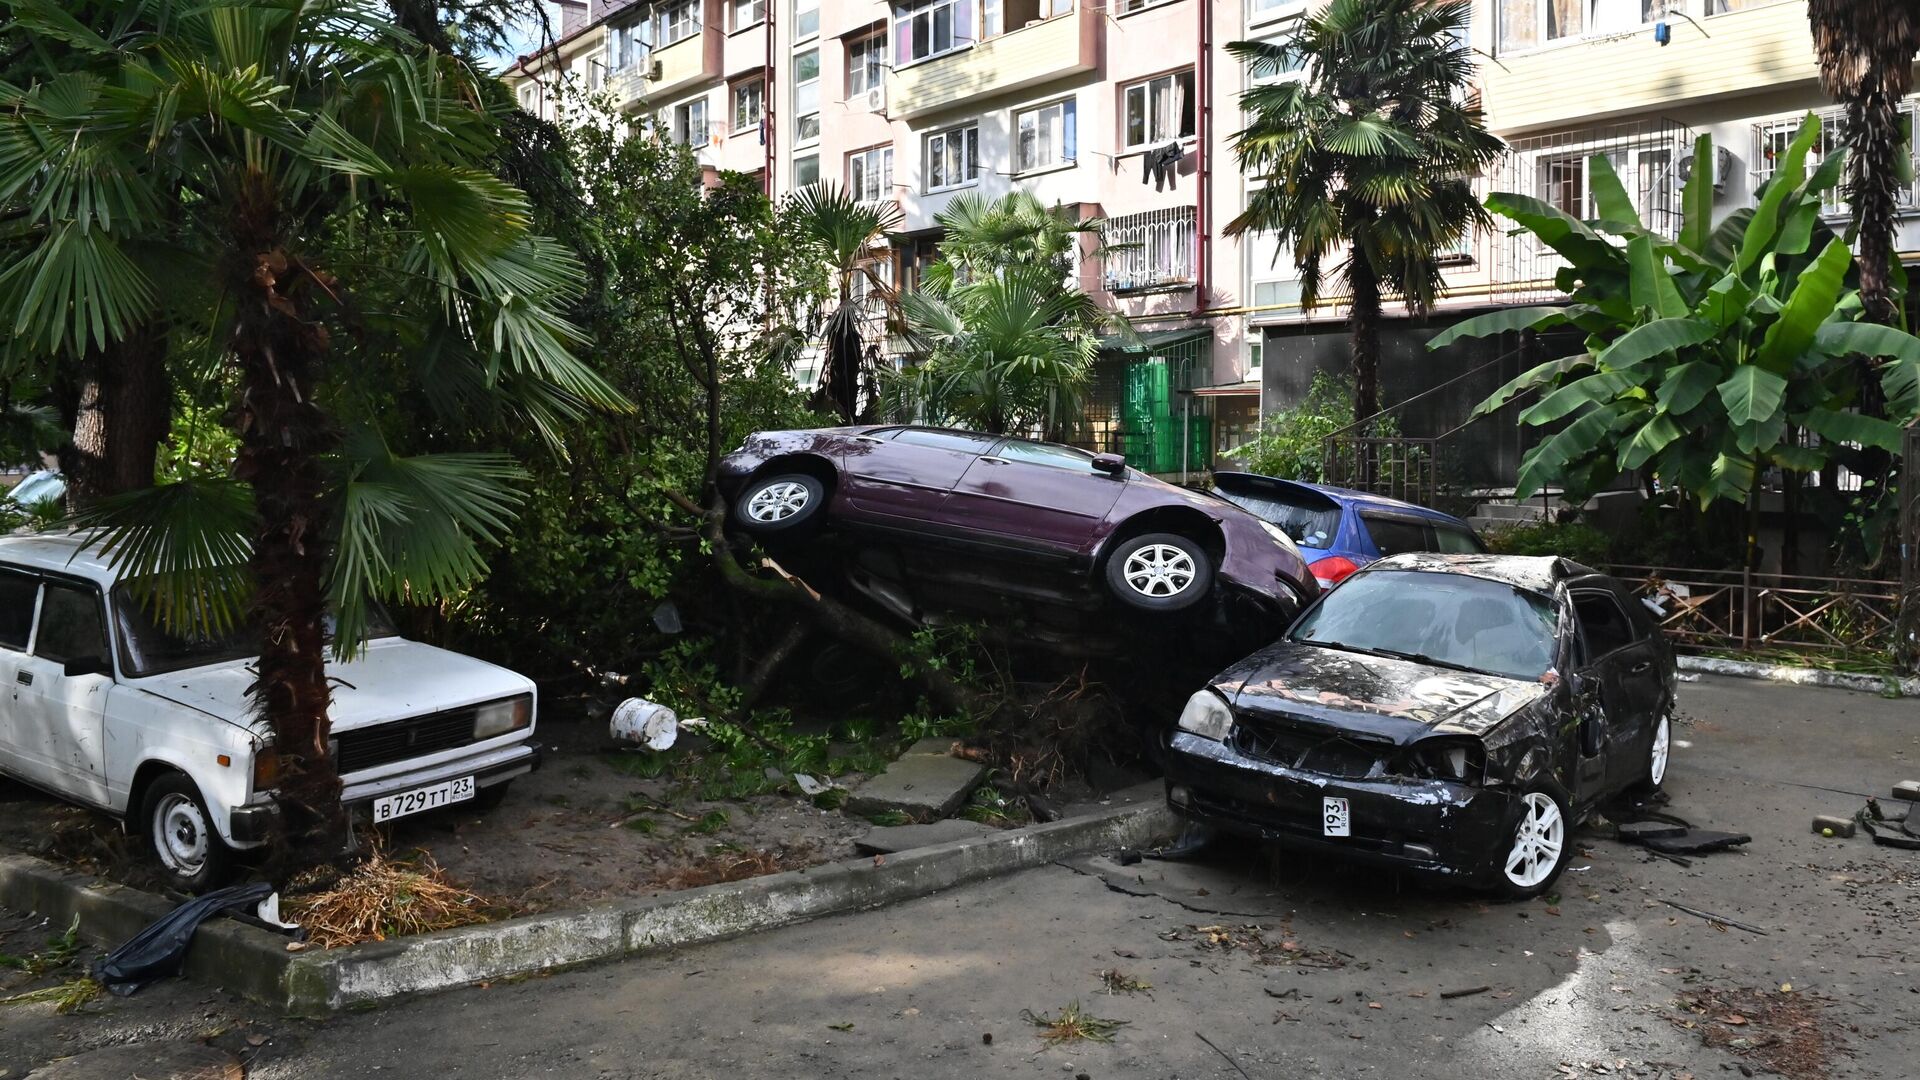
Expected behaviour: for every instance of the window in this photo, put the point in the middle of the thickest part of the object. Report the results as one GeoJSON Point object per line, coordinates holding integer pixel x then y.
{"type": "Point", "coordinates": [1721, 7]}
{"type": "Point", "coordinates": [529, 93]}
{"type": "Point", "coordinates": [690, 123]}
{"type": "Point", "coordinates": [927, 28]}
{"type": "Point", "coordinates": [806, 170]}
{"type": "Point", "coordinates": [1151, 250]}
{"type": "Point", "coordinates": [1005, 16]}
{"type": "Point", "coordinates": [17, 594]}
{"type": "Point", "coordinates": [806, 96]}
{"type": "Point", "coordinates": [1139, 5]}
{"type": "Point", "coordinates": [70, 624]}
{"type": "Point", "coordinates": [1461, 621]}
{"type": "Point", "coordinates": [1524, 24]}
{"type": "Point", "coordinates": [1158, 110]}
{"type": "Point", "coordinates": [1455, 540]}
{"type": "Point", "coordinates": [866, 67]}
{"type": "Point", "coordinates": [1394, 536]}
{"type": "Point", "coordinates": [1309, 518]}
{"type": "Point", "coordinates": [676, 20]}
{"type": "Point", "coordinates": [1055, 457]}
{"type": "Point", "coordinates": [806, 19]}
{"type": "Point", "coordinates": [749, 13]}
{"type": "Point", "coordinates": [628, 45]}
{"type": "Point", "coordinates": [953, 158]}
{"type": "Point", "coordinates": [1564, 181]}
{"type": "Point", "coordinates": [1045, 137]}
{"type": "Point", "coordinates": [749, 105]}
{"type": "Point", "coordinates": [965, 442]}
{"type": "Point", "coordinates": [870, 174]}
{"type": "Point", "coordinates": [1603, 623]}
{"type": "Point", "coordinates": [1262, 10]}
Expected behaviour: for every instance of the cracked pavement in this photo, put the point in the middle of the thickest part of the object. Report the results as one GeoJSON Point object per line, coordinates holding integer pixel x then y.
{"type": "Point", "coordinates": [1288, 967]}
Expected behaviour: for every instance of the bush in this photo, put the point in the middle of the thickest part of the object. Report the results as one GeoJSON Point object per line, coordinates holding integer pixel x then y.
{"type": "Point", "coordinates": [1581, 543]}
{"type": "Point", "coordinates": [1291, 441]}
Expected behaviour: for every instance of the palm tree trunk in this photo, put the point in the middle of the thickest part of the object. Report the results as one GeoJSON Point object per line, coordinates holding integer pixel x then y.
{"type": "Point", "coordinates": [282, 435]}
{"type": "Point", "coordinates": [1364, 337]}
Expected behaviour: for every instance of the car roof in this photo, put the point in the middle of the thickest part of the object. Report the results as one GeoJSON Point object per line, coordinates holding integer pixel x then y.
{"type": "Point", "coordinates": [1349, 498]}
{"type": "Point", "coordinates": [1535, 573]}
{"type": "Point", "coordinates": [63, 551]}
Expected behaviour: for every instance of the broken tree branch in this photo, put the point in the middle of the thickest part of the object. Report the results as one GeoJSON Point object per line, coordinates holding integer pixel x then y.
{"type": "Point", "coordinates": [1711, 917]}
{"type": "Point", "coordinates": [1236, 1065]}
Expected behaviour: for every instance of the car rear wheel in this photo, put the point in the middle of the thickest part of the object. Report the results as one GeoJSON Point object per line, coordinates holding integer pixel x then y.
{"type": "Point", "coordinates": [1659, 751]}
{"type": "Point", "coordinates": [181, 837]}
{"type": "Point", "coordinates": [780, 503]}
{"type": "Point", "coordinates": [1537, 847]}
{"type": "Point", "coordinates": [1159, 572]}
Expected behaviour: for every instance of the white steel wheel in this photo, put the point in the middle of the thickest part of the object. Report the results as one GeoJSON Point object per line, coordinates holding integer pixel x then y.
{"type": "Point", "coordinates": [1538, 841]}
{"type": "Point", "coordinates": [181, 837]}
{"type": "Point", "coordinates": [778, 501]}
{"type": "Point", "coordinates": [1158, 570]}
{"type": "Point", "coordinates": [1657, 756]}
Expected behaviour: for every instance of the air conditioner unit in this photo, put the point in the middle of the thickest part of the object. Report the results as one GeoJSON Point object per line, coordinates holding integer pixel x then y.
{"type": "Point", "coordinates": [876, 99]}
{"type": "Point", "coordinates": [653, 72]}
{"type": "Point", "coordinates": [1722, 168]}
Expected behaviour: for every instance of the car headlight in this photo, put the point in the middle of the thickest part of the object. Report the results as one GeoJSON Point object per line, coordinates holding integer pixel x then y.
{"type": "Point", "coordinates": [1462, 760]}
{"type": "Point", "coordinates": [500, 717]}
{"type": "Point", "coordinates": [1207, 716]}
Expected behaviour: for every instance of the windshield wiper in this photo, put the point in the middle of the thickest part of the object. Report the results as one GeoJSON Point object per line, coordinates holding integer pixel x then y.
{"type": "Point", "coordinates": [1423, 658]}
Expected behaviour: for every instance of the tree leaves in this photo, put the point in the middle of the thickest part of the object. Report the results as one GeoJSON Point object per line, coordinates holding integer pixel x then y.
{"type": "Point", "coordinates": [1499, 322]}
{"type": "Point", "coordinates": [1752, 394]}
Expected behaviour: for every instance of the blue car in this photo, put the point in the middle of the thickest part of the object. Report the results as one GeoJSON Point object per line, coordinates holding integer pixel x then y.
{"type": "Point", "coordinates": [1339, 530]}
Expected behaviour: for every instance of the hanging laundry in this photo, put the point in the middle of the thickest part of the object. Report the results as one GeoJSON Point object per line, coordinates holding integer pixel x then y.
{"type": "Point", "coordinates": [1162, 166]}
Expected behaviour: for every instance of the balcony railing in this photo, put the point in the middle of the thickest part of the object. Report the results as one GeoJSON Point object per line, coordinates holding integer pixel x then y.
{"type": "Point", "coordinates": [1771, 138]}
{"type": "Point", "coordinates": [1154, 250]}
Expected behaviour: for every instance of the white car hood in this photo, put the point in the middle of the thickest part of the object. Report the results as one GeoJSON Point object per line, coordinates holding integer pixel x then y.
{"type": "Point", "coordinates": [394, 679]}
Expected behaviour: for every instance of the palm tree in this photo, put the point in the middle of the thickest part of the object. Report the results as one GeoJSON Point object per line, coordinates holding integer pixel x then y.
{"type": "Point", "coordinates": [1368, 154]}
{"type": "Point", "coordinates": [310, 176]}
{"type": "Point", "coordinates": [1866, 50]}
{"type": "Point", "coordinates": [981, 236]}
{"type": "Point", "coordinates": [848, 233]}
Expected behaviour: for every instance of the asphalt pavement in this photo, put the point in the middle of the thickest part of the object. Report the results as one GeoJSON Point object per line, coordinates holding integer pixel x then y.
{"type": "Point", "coordinates": [1244, 965]}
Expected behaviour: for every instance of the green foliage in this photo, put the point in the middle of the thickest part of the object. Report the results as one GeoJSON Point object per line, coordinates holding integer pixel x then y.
{"type": "Point", "coordinates": [1581, 543]}
{"type": "Point", "coordinates": [1291, 444]}
{"type": "Point", "coordinates": [1705, 355]}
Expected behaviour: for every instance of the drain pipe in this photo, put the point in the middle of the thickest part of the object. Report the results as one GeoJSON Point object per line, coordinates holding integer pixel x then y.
{"type": "Point", "coordinates": [766, 106]}
{"type": "Point", "coordinates": [1203, 145]}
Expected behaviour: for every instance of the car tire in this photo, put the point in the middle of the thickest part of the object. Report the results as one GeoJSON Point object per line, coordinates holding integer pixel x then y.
{"type": "Point", "coordinates": [180, 836]}
{"type": "Point", "coordinates": [1538, 844]}
{"type": "Point", "coordinates": [1159, 572]}
{"type": "Point", "coordinates": [780, 503]}
{"type": "Point", "coordinates": [488, 799]}
{"type": "Point", "coordinates": [1659, 754]}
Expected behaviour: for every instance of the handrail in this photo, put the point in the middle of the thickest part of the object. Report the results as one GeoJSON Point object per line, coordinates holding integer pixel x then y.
{"type": "Point", "coordinates": [1392, 409]}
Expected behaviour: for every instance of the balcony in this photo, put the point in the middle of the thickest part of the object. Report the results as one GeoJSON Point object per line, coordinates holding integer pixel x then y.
{"type": "Point", "coordinates": [1771, 138]}
{"type": "Point", "coordinates": [1037, 52]}
{"type": "Point", "coordinates": [1616, 73]}
{"type": "Point", "coordinates": [1150, 251]}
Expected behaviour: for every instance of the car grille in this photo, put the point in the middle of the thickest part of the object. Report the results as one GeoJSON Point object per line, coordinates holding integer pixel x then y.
{"type": "Point", "coordinates": [1307, 749]}
{"type": "Point", "coordinates": [398, 740]}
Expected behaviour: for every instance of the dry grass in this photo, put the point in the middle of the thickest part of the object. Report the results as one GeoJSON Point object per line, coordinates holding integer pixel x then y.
{"type": "Point", "coordinates": [66, 998]}
{"type": "Point", "coordinates": [740, 865]}
{"type": "Point", "coordinates": [1073, 1024]}
{"type": "Point", "coordinates": [1783, 1030]}
{"type": "Point", "coordinates": [385, 897]}
{"type": "Point", "coordinates": [1115, 981]}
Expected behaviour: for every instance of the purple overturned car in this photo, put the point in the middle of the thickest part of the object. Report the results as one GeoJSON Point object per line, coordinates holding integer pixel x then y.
{"type": "Point", "coordinates": [1053, 521]}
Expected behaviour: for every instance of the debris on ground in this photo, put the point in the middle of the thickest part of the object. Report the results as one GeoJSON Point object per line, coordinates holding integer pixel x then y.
{"type": "Point", "coordinates": [1832, 825]}
{"type": "Point", "coordinates": [67, 997]}
{"type": "Point", "coordinates": [1252, 940]}
{"type": "Point", "coordinates": [160, 950]}
{"type": "Point", "coordinates": [1887, 830]}
{"type": "Point", "coordinates": [385, 897]}
{"type": "Point", "coordinates": [1115, 981]}
{"type": "Point", "coordinates": [1719, 922]}
{"type": "Point", "coordinates": [887, 839]}
{"type": "Point", "coordinates": [1073, 1024]}
{"type": "Point", "coordinates": [1908, 790]}
{"type": "Point", "coordinates": [926, 783]}
{"type": "Point", "coordinates": [646, 723]}
{"type": "Point", "coordinates": [726, 866]}
{"type": "Point", "coordinates": [1781, 1030]}
{"type": "Point", "coordinates": [1668, 835]}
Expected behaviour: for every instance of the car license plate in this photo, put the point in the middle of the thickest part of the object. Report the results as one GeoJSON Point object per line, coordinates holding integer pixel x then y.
{"type": "Point", "coordinates": [431, 797]}
{"type": "Point", "coordinates": [1335, 818]}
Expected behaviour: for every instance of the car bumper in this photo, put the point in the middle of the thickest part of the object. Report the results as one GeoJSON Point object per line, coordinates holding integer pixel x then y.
{"type": "Point", "coordinates": [1428, 826]}
{"type": "Point", "coordinates": [496, 766]}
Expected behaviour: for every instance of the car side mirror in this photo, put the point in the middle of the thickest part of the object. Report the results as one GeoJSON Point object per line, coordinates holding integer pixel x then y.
{"type": "Point", "coordinates": [1577, 685]}
{"type": "Point", "coordinates": [1111, 464]}
{"type": "Point", "coordinates": [87, 665]}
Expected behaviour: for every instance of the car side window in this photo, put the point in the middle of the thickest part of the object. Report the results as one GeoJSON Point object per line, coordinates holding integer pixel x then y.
{"type": "Point", "coordinates": [1395, 536]}
{"type": "Point", "coordinates": [1603, 623]}
{"type": "Point", "coordinates": [17, 594]}
{"type": "Point", "coordinates": [1454, 540]}
{"type": "Point", "coordinates": [71, 624]}
{"type": "Point", "coordinates": [1058, 457]}
{"type": "Point", "coordinates": [962, 441]}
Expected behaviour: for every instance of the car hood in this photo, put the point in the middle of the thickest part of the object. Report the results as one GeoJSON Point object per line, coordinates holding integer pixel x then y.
{"type": "Point", "coordinates": [1380, 696]}
{"type": "Point", "coordinates": [392, 680]}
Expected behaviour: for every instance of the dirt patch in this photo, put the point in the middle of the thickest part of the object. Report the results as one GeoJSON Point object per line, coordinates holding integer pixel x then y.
{"type": "Point", "coordinates": [1781, 1030]}
{"type": "Point", "coordinates": [1264, 944]}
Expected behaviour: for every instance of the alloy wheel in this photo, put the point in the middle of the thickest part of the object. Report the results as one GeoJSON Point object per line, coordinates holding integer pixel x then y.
{"type": "Point", "coordinates": [1662, 744]}
{"type": "Point", "coordinates": [180, 834]}
{"type": "Point", "coordinates": [778, 502]}
{"type": "Point", "coordinates": [1158, 570]}
{"type": "Point", "coordinates": [1537, 841]}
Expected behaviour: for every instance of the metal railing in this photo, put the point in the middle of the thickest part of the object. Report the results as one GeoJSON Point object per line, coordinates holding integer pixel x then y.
{"type": "Point", "coordinates": [1748, 610]}
{"type": "Point", "coordinates": [1151, 250]}
{"type": "Point", "coordinates": [1771, 138]}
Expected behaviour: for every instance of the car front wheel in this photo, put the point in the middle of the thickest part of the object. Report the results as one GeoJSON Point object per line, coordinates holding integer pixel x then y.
{"type": "Point", "coordinates": [1537, 847]}
{"type": "Point", "coordinates": [780, 503]}
{"type": "Point", "coordinates": [1659, 749]}
{"type": "Point", "coordinates": [1159, 572]}
{"type": "Point", "coordinates": [181, 837]}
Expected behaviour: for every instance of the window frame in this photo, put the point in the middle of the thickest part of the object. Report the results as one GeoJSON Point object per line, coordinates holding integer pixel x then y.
{"type": "Point", "coordinates": [985, 443]}
{"type": "Point", "coordinates": [684, 135]}
{"type": "Point", "coordinates": [960, 31]}
{"type": "Point", "coordinates": [50, 582]}
{"type": "Point", "coordinates": [1069, 147]}
{"type": "Point", "coordinates": [802, 8]}
{"type": "Point", "coordinates": [794, 169]}
{"type": "Point", "coordinates": [867, 55]}
{"type": "Point", "coordinates": [884, 187]}
{"type": "Point", "coordinates": [743, 123]}
{"type": "Point", "coordinates": [1124, 8]}
{"type": "Point", "coordinates": [665, 21]}
{"type": "Point", "coordinates": [1274, 12]}
{"type": "Point", "coordinates": [1634, 632]}
{"type": "Point", "coordinates": [733, 14]}
{"type": "Point", "coordinates": [37, 583]}
{"type": "Point", "coordinates": [1145, 87]}
{"type": "Point", "coordinates": [970, 156]}
{"type": "Point", "coordinates": [800, 116]}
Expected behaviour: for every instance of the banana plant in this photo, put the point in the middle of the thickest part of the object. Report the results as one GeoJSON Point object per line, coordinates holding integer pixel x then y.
{"type": "Point", "coordinates": [1702, 351]}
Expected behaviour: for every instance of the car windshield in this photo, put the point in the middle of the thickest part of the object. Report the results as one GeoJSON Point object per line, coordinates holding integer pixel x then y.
{"type": "Point", "coordinates": [1309, 520]}
{"type": "Point", "coordinates": [1449, 620]}
{"type": "Point", "coordinates": [150, 649]}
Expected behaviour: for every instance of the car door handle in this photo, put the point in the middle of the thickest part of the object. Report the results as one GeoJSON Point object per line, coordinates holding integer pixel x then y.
{"type": "Point", "coordinates": [1639, 667]}
{"type": "Point", "coordinates": [24, 678]}
{"type": "Point", "coordinates": [868, 438]}
{"type": "Point", "coordinates": [994, 460]}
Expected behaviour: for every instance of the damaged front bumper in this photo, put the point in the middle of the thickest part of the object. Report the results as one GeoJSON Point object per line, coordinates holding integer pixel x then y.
{"type": "Point", "coordinates": [1429, 826]}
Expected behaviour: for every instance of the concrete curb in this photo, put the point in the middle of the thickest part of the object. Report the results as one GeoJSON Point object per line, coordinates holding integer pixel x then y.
{"type": "Point", "coordinates": [1799, 676]}
{"type": "Point", "coordinates": [254, 963]}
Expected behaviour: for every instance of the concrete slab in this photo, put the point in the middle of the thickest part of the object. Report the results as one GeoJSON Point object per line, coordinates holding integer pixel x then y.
{"type": "Point", "coordinates": [926, 784]}
{"type": "Point", "coordinates": [887, 839]}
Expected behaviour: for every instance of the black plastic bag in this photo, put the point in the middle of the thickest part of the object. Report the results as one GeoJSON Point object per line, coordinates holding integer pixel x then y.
{"type": "Point", "coordinates": [161, 949]}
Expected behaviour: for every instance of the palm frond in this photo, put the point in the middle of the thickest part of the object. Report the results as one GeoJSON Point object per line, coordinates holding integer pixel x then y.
{"type": "Point", "coordinates": [182, 549]}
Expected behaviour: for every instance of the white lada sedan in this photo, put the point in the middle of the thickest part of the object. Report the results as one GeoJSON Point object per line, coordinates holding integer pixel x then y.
{"type": "Point", "coordinates": [99, 706]}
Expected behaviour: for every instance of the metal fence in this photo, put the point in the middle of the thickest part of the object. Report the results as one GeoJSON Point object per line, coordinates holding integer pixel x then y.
{"type": "Point", "coordinates": [1747, 611]}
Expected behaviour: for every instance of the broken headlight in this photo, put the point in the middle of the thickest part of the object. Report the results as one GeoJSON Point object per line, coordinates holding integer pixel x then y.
{"type": "Point", "coordinates": [1446, 757]}
{"type": "Point", "coordinates": [1207, 716]}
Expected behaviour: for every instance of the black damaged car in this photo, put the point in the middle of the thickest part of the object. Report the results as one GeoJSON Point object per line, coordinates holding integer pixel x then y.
{"type": "Point", "coordinates": [1448, 714]}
